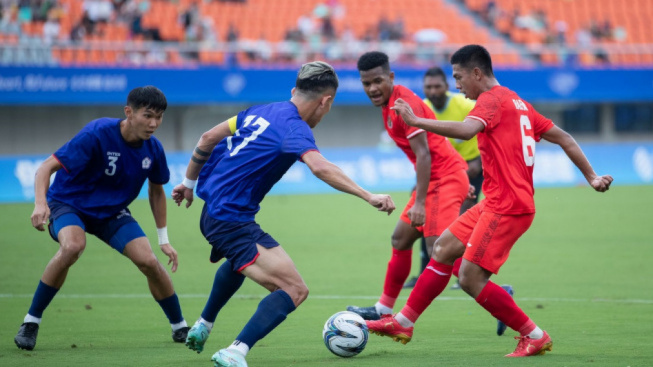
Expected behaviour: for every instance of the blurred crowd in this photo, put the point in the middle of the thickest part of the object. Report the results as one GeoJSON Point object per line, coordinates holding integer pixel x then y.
{"type": "Point", "coordinates": [313, 35]}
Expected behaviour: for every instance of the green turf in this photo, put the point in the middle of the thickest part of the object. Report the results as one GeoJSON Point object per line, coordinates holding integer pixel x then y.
{"type": "Point", "coordinates": [582, 272]}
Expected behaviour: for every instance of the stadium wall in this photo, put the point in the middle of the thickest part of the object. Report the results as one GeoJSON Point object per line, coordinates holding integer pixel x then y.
{"type": "Point", "coordinates": [43, 129]}
{"type": "Point", "coordinates": [208, 85]}
{"type": "Point", "coordinates": [383, 168]}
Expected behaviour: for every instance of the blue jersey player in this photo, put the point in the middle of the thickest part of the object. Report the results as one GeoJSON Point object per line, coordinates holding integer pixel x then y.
{"type": "Point", "coordinates": [99, 173]}
{"type": "Point", "coordinates": [240, 160]}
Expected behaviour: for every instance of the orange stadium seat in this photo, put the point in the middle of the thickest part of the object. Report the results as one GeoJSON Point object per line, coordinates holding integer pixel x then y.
{"type": "Point", "coordinates": [272, 19]}
{"type": "Point", "coordinates": [578, 14]}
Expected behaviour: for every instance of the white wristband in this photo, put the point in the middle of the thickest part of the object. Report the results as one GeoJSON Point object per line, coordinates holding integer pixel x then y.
{"type": "Point", "coordinates": [163, 236]}
{"type": "Point", "coordinates": [189, 183]}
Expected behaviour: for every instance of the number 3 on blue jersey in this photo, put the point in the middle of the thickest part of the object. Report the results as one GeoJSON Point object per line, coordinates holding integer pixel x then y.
{"type": "Point", "coordinates": [262, 125]}
{"type": "Point", "coordinates": [112, 165]}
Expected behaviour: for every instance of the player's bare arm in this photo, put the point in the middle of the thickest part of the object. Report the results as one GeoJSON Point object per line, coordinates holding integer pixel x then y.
{"type": "Point", "coordinates": [201, 154]}
{"type": "Point", "coordinates": [451, 129]}
{"type": "Point", "coordinates": [41, 212]}
{"type": "Point", "coordinates": [558, 136]}
{"type": "Point", "coordinates": [336, 178]}
{"type": "Point", "coordinates": [420, 146]}
{"type": "Point", "coordinates": [158, 205]}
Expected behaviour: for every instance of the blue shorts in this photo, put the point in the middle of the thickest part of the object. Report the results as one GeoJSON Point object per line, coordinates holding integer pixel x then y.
{"type": "Point", "coordinates": [116, 231]}
{"type": "Point", "coordinates": [234, 240]}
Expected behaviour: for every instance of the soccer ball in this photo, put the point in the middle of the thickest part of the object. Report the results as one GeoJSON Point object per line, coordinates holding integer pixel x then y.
{"type": "Point", "coordinates": [345, 334]}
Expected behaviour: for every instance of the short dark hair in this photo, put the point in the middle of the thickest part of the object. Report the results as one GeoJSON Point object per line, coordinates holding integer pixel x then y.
{"type": "Point", "coordinates": [473, 56]}
{"type": "Point", "coordinates": [435, 71]}
{"type": "Point", "coordinates": [148, 96]}
{"type": "Point", "coordinates": [373, 59]}
{"type": "Point", "coordinates": [316, 78]}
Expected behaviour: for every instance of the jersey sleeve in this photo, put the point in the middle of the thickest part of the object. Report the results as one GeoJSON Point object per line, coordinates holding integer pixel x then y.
{"type": "Point", "coordinates": [299, 140]}
{"type": "Point", "coordinates": [541, 124]}
{"type": "Point", "coordinates": [233, 121]}
{"type": "Point", "coordinates": [78, 152]}
{"type": "Point", "coordinates": [487, 110]}
{"type": "Point", "coordinates": [160, 173]}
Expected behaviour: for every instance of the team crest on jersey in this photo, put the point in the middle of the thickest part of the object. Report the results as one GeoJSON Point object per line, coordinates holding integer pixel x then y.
{"type": "Point", "coordinates": [389, 122]}
{"type": "Point", "coordinates": [147, 162]}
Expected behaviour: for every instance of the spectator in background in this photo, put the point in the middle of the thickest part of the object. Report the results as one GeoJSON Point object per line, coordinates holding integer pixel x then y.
{"type": "Point", "coordinates": [51, 29]}
{"type": "Point", "coordinates": [41, 8]}
{"type": "Point", "coordinates": [384, 28]}
{"type": "Point", "coordinates": [98, 10]}
{"type": "Point", "coordinates": [306, 25]}
{"type": "Point", "coordinates": [232, 45]}
{"type": "Point", "coordinates": [24, 11]}
{"type": "Point", "coordinates": [82, 29]}
{"type": "Point", "coordinates": [397, 29]}
{"type": "Point", "coordinates": [9, 23]}
{"type": "Point", "coordinates": [489, 12]}
{"type": "Point", "coordinates": [289, 49]}
{"type": "Point", "coordinates": [328, 31]}
{"type": "Point", "coordinates": [190, 17]}
{"type": "Point", "coordinates": [257, 50]}
{"type": "Point", "coordinates": [560, 32]}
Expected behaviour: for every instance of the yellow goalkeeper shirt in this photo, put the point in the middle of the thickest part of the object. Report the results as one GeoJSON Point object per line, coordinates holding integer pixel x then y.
{"type": "Point", "coordinates": [456, 109]}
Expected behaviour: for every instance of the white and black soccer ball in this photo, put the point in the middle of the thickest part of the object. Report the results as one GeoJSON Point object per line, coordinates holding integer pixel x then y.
{"type": "Point", "coordinates": [345, 334]}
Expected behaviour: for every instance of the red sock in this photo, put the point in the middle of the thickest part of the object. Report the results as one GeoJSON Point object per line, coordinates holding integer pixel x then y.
{"type": "Point", "coordinates": [456, 266]}
{"type": "Point", "coordinates": [502, 306]}
{"type": "Point", "coordinates": [429, 285]}
{"type": "Point", "coordinates": [395, 277]}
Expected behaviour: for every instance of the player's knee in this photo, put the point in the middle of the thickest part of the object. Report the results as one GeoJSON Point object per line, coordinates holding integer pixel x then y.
{"type": "Point", "coordinates": [399, 243]}
{"type": "Point", "coordinates": [148, 265]}
{"type": "Point", "coordinates": [439, 254]}
{"type": "Point", "coordinates": [298, 292]}
{"type": "Point", "coordinates": [72, 249]}
{"type": "Point", "coordinates": [470, 284]}
{"type": "Point", "coordinates": [446, 252]}
{"type": "Point", "coordinates": [465, 283]}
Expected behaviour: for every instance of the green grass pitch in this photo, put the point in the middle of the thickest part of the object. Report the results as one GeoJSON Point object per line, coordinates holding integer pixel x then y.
{"type": "Point", "coordinates": [582, 272]}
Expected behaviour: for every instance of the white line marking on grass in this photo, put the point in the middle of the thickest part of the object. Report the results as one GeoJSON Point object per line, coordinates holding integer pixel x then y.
{"type": "Point", "coordinates": [327, 297]}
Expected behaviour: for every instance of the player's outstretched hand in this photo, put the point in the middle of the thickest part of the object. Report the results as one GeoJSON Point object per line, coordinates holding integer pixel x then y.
{"type": "Point", "coordinates": [171, 253]}
{"type": "Point", "coordinates": [471, 194]}
{"type": "Point", "coordinates": [406, 112]}
{"type": "Point", "coordinates": [40, 216]}
{"type": "Point", "coordinates": [181, 192]}
{"type": "Point", "coordinates": [602, 183]}
{"type": "Point", "coordinates": [382, 202]}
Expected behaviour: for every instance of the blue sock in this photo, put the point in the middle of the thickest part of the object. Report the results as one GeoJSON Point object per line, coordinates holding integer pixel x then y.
{"type": "Point", "coordinates": [226, 283]}
{"type": "Point", "coordinates": [271, 311]}
{"type": "Point", "coordinates": [42, 297]}
{"type": "Point", "coordinates": [172, 309]}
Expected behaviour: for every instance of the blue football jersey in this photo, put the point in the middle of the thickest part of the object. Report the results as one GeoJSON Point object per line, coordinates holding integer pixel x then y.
{"type": "Point", "coordinates": [243, 168]}
{"type": "Point", "coordinates": [101, 173]}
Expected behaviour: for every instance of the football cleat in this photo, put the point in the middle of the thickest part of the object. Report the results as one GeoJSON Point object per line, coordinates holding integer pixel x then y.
{"type": "Point", "coordinates": [179, 335]}
{"type": "Point", "coordinates": [197, 336]}
{"type": "Point", "coordinates": [388, 326]}
{"type": "Point", "coordinates": [501, 326]}
{"type": "Point", "coordinates": [367, 313]}
{"type": "Point", "coordinates": [532, 347]}
{"type": "Point", "coordinates": [26, 337]}
{"type": "Point", "coordinates": [228, 358]}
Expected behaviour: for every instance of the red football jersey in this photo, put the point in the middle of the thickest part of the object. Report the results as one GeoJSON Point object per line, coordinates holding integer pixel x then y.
{"type": "Point", "coordinates": [444, 158]}
{"type": "Point", "coordinates": [507, 145]}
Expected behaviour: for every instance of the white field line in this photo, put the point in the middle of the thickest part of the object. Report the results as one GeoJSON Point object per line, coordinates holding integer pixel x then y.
{"type": "Point", "coordinates": [328, 297]}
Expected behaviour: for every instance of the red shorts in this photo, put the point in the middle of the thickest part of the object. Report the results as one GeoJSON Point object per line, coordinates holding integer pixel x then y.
{"type": "Point", "coordinates": [489, 236]}
{"type": "Point", "coordinates": [443, 200]}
